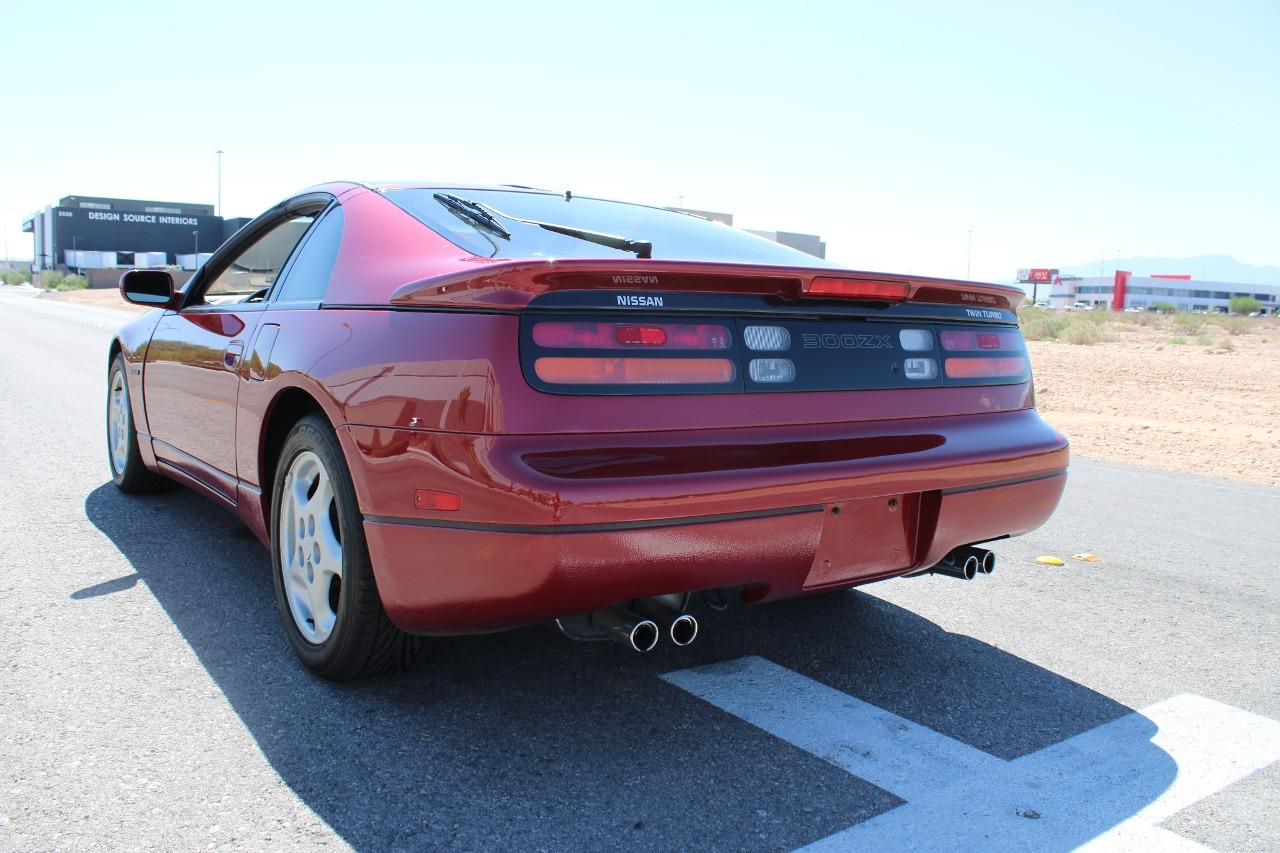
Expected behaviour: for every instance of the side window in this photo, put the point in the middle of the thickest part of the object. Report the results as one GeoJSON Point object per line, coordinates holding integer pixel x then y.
{"type": "Point", "coordinates": [256, 268]}
{"type": "Point", "coordinates": [308, 276]}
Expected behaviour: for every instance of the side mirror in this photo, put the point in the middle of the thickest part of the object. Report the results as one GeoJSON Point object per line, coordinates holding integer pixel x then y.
{"type": "Point", "coordinates": [153, 288]}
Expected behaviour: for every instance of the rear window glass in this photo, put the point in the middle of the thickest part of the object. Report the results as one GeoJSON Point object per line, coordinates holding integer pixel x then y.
{"type": "Point", "coordinates": [675, 236]}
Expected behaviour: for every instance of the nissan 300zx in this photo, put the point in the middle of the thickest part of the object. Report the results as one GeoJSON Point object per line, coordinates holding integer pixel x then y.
{"type": "Point", "coordinates": [453, 409]}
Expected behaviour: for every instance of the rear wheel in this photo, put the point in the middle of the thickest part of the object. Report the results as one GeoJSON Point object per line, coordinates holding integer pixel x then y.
{"type": "Point", "coordinates": [127, 470]}
{"type": "Point", "coordinates": [324, 582]}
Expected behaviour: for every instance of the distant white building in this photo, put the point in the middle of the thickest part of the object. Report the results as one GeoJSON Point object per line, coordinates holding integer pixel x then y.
{"type": "Point", "coordinates": [1183, 293]}
{"type": "Point", "coordinates": [808, 243]}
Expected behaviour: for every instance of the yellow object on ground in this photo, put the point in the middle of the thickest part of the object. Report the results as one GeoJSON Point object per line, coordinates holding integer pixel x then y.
{"type": "Point", "coordinates": [1088, 558]}
{"type": "Point", "coordinates": [1050, 561]}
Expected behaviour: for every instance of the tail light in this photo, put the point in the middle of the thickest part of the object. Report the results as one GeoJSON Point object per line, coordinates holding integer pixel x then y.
{"type": "Point", "coordinates": [634, 371]}
{"type": "Point", "coordinates": [984, 356]}
{"type": "Point", "coordinates": [594, 335]}
{"type": "Point", "coordinates": [634, 353]}
{"type": "Point", "coordinates": [986, 368]}
{"type": "Point", "coordinates": [777, 370]}
{"type": "Point", "coordinates": [972, 340]}
{"type": "Point", "coordinates": [852, 288]}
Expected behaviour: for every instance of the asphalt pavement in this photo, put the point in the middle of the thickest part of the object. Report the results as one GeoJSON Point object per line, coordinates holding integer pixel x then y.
{"type": "Point", "coordinates": [148, 698]}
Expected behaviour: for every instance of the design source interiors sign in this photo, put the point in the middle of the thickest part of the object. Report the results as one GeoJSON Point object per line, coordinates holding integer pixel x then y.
{"type": "Point", "coordinates": [147, 218]}
{"type": "Point", "coordinates": [134, 231]}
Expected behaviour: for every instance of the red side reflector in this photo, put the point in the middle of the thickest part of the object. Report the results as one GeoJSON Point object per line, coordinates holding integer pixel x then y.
{"type": "Point", "coordinates": [649, 336]}
{"type": "Point", "coordinates": [634, 371]}
{"type": "Point", "coordinates": [852, 288]}
{"type": "Point", "coordinates": [442, 501]}
{"type": "Point", "coordinates": [977, 368]}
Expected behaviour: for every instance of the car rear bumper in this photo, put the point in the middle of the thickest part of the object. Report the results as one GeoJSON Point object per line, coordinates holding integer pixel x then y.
{"type": "Point", "coordinates": [558, 525]}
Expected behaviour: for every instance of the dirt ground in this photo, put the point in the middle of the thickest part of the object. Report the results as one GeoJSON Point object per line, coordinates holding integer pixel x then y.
{"type": "Point", "coordinates": [101, 297]}
{"type": "Point", "coordinates": [1205, 408]}
{"type": "Point", "coordinates": [1183, 407]}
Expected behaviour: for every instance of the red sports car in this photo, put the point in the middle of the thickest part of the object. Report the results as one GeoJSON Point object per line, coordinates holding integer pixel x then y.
{"type": "Point", "coordinates": [454, 409]}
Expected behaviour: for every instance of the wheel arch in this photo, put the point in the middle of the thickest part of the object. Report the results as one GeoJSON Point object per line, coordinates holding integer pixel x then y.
{"type": "Point", "coordinates": [287, 408]}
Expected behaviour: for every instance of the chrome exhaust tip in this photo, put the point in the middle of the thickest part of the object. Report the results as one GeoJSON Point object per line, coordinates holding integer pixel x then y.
{"type": "Point", "coordinates": [644, 636]}
{"type": "Point", "coordinates": [684, 629]}
{"type": "Point", "coordinates": [988, 564]}
{"type": "Point", "coordinates": [957, 565]}
{"type": "Point", "coordinates": [620, 624]}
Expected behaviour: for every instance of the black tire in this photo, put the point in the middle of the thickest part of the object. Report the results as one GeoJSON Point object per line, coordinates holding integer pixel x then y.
{"type": "Point", "coordinates": [128, 472]}
{"type": "Point", "coordinates": [362, 642]}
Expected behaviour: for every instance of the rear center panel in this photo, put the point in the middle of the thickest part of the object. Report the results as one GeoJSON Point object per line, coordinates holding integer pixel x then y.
{"type": "Point", "coordinates": [682, 343]}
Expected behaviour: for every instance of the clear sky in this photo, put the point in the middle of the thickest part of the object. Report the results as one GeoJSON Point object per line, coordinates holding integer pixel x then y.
{"type": "Point", "coordinates": [1058, 132]}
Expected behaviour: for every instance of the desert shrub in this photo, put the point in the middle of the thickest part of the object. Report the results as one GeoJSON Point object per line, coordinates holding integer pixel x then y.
{"type": "Point", "coordinates": [1164, 308]}
{"type": "Point", "coordinates": [1244, 305]}
{"type": "Point", "coordinates": [1082, 333]}
{"type": "Point", "coordinates": [1096, 316]}
{"type": "Point", "coordinates": [1146, 318]}
{"type": "Point", "coordinates": [1204, 340]}
{"type": "Point", "coordinates": [1177, 340]}
{"type": "Point", "coordinates": [1043, 328]}
{"type": "Point", "coordinates": [1233, 325]}
{"type": "Point", "coordinates": [50, 279]}
{"type": "Point", "coordinates": [14, 277]}
{"type": "Point", "coordinates": [72, 282]}
{"type": "Point", "coordinates": [1189, 323]}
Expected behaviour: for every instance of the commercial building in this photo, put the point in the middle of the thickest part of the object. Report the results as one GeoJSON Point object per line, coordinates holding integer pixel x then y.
{"type": "Point", "coordinates": [808, 243]}
{"type": "Point", "coordinates": [89, 232]}
{"type": "Point", "coordinates": [1124, 290]}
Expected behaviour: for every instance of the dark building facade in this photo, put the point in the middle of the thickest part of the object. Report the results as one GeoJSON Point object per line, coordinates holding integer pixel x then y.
{"type": "Point", "coordinates": [93, 232]}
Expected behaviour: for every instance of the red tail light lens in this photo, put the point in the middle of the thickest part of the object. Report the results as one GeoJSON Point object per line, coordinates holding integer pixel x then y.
{"type": "Point", "coordinates": [647, 336]}
{"type": "Point", "coordinates": [634, 371]}
{"type": "Point", "coordinates": [986, 368]}
{"type": "Point", "coordinates": [967, 340]}
{"type": "Point", "coordinates": [852, 288]}
{"type": "Point", "coordinates": [566, 335]}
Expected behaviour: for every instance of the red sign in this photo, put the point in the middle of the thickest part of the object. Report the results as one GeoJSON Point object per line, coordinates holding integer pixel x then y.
{"type": "Point", "coordinates": [1039, 276]}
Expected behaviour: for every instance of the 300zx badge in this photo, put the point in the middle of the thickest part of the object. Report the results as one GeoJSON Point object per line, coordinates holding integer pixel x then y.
{"type": "Point", "coordinates": [847, 341]}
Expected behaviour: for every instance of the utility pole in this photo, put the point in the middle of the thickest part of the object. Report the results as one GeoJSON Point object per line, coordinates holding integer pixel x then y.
{"type": "Point", "coordinates": [195, 260]}
{"type": "Point", "coordinates": [217, 211]}
{"type": "Point", "coordinates": [968, 263]}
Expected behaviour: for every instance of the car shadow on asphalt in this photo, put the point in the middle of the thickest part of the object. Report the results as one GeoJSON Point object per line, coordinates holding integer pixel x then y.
{"type": "Point", "coordinates": [526, 739]}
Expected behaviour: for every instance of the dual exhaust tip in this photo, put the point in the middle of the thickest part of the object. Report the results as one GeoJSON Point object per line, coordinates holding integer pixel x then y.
{"type": "Point", "coordinates": [640, 628]}
{"type": "Point", "coordinates": [966, 563]}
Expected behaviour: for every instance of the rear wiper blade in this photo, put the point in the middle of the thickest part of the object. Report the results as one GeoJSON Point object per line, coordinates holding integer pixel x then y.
{"type": "Point", "coordinates": [474, 209]}
{"type": "Point", "coordinates": [473, 213]}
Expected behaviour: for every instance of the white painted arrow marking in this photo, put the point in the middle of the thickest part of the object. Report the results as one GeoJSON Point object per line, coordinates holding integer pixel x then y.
{"type": "Point", "coordinates": [1106, 787]}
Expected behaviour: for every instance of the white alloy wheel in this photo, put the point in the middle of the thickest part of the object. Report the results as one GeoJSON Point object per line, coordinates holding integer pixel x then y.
{"type": "Point", "coordinates": [310, 547]}
{"type": "Point", "coordinates": [118, 422]}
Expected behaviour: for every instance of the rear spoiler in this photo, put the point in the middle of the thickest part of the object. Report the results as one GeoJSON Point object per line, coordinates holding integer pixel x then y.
{"type": "Point", "coordinates": [513, 284]}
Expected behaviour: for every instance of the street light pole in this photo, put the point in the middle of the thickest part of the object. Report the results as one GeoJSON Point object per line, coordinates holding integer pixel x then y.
{"type": "Point", "coordinates": [217, 211]}
{"type": "Point", "coordinates": [195, 259]}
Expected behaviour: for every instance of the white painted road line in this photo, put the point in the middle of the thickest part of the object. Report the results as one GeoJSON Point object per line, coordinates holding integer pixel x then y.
{"type": "Point", "coordinates": [1106, 787]}
{"type": "Point", "coordinates": [902, 757]}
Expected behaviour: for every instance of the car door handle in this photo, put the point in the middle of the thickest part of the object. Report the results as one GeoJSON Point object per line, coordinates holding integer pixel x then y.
{"type": "Point", "coordinates": [232, 354]}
